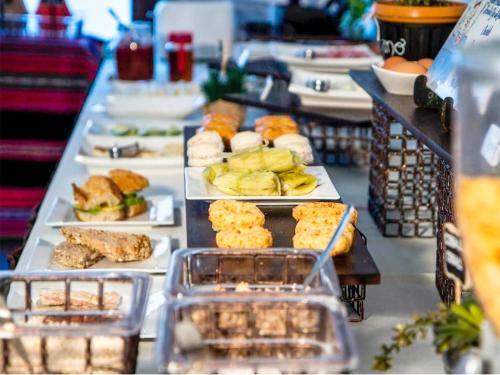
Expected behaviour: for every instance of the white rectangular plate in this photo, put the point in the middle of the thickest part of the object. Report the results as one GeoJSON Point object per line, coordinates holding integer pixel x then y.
{"type": "Point", "coordinates": [199, 189]}
{"type": "Point", "coordinates": [173, 158]}
{"type": "Point", "coordinates": [41, 258]}
{"type": "Point", "coordinates": [160, 212]}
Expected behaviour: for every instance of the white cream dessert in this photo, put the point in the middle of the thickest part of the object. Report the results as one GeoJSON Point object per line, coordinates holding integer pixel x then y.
{"type": "Point", "coordinates": [245, 140]}
{"type": "Point", "coordinates": [204, 154]}
{"type": "Point", "coordinates": [205, 137]}
{"type": "Point", "coordinates": [297, 143]}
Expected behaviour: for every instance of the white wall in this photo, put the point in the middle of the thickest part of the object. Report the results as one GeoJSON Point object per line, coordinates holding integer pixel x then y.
{"type": "Point", "coordinates": [97, 20]}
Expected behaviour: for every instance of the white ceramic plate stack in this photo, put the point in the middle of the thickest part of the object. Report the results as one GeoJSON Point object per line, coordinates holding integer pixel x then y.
{"type": "Point", "coordinates": [150, 98]}
{"type": "Point", "coordinates": [343, 91]}
{"type": "Point", "coordinates": [292, 55]}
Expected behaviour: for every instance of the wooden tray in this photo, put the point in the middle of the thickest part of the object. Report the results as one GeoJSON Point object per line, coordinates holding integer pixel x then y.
{"type": "Point", "coordinates": [355, 268]}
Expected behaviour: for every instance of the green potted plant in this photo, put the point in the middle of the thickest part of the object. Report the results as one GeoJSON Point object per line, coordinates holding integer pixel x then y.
{"type": "Point", "coordinates": [415, 29]}
{"type": "Point", "coordinates": [456, 330]}
{"type": "Point", "coordinates": [218, 85]}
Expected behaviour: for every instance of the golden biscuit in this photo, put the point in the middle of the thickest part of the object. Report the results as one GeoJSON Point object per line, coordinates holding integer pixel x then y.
{"type": "Point", "coordinates": [319, 239]}
{"type": "Point", "coordinates": [229, 214]}
{"type": "Point", "coordinates": [319, 224]}
{"type": "Point", "coordinates": [252, 238]}
{"type": "Point", "coordinates": [321, 209]}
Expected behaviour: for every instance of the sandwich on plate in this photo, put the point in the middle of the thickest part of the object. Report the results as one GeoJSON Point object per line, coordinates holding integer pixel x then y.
{"type": "Point", "coordinates": [103, 198]}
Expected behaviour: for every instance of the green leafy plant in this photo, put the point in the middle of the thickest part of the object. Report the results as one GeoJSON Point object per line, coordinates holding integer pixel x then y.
{"type": "Point", "coordinates": [218, 84]}
{"type": "Point", "coordinates": [455, 329]}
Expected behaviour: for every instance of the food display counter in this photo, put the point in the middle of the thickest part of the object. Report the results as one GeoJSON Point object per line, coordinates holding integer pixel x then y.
{"type": "Point", "coordinates": [357, 271]}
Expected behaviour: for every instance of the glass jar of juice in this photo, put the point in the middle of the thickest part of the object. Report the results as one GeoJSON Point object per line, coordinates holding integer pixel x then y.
{"type": "Point", "coordinates": [134, 52]}
{"type": "Point", "coordinates": [179, 50]}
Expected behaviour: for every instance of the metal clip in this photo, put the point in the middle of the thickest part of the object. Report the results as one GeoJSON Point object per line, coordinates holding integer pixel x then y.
{"type": "Point", "coordinates": [128, 151]}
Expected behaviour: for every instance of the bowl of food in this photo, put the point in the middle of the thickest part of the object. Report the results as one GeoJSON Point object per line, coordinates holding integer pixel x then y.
{"type": "Point", "coordinates": [398, 75]}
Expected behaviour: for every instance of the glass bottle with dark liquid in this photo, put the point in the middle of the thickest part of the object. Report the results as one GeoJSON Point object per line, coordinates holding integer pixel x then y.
{"type": "Point", "coordinates": [179, 50]}
{"type": "Point", "coordinates": [134, 53]}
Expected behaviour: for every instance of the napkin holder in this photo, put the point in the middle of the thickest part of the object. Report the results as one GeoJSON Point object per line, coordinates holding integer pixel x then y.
{"type": "Point", "coordinates": [428, 99]}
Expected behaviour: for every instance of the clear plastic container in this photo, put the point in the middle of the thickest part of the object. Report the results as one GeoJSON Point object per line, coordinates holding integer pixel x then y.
{"type": "Point", "coordinates": [260, 333]}
{"type": "Point", "coordinates": [476, 133]}
{"type": "Point", "coordinates": [72, 322]}
{"type": "Point", "coordinates": [211, 270]}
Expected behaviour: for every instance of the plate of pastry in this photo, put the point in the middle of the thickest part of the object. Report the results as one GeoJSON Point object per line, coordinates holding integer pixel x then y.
{"type": "Point", "coordinates": [113, 200]}
{"type": "Point", "coordinates": [220, 132]}
{"type": "Point", "coordinates": [88, 248]}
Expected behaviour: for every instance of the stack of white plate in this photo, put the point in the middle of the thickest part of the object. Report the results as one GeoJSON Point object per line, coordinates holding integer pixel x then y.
{"type": "Point", "coordinates": [343, 91]}
{"type": "Point", "coordinates": [151, 98]}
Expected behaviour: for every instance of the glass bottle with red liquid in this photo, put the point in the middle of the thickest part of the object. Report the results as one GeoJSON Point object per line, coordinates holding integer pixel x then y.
{"type": "Point", "coordinates": [134, 53]}
{"type": "Point", "coordinates": [179, 50]}
{"type": "Point", "coordinates": [52, 12]}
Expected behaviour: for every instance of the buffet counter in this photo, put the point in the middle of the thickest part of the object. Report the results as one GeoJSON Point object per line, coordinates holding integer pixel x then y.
{"type": "Point", "coordinates": [399, 295]}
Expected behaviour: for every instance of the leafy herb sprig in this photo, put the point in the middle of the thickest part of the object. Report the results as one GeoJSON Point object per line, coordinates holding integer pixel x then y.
{"type": "Point", "coordinates": [218, 84]}
{"type": "Point", "coordinates": [455, 328]}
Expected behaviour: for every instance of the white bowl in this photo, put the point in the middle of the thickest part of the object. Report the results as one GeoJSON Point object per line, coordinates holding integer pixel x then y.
{"type": "Point", "coordinates": [395, 82]}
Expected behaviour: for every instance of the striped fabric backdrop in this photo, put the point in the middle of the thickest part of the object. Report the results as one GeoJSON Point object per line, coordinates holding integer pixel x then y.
{"type": "Point", "coordinates": [43, 84]}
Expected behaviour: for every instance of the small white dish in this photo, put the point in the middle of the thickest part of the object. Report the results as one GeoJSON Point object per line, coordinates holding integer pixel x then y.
{"type": "Point", "coordinates": [395, 82]}
{"type": "Point", "coordinates": [160, 212]}
{"type": "Point", "coordinates": [41, 257]}
{"type": "Point", "coordinates": [170, 149]}
{"type": "Point", "coordinates": [197, 188]}
{"type": "Point", "coordinates": [342, 90]}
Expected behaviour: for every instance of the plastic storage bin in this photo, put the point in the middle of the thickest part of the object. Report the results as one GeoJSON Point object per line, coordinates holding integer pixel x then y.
{"type": "Point", "coordinates": [77, 322]}
{"type": "Point", "coordinates": [256, 334]}
{"type": "Point", "coordinates": [207, 271]}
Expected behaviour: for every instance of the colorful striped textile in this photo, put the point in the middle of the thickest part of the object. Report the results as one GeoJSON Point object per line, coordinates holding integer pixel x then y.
{"type": "Point", "coordinates": [46, 74]}
{"type": "Point", "coordinates": [43, 84]}
{"type": "Point", "coordinates": [16, 209]}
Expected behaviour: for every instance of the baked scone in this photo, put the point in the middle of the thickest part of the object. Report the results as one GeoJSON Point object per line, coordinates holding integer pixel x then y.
{"type": "Point", "coordinates": [275, 121]}
{"type": "Point", "coordinates": [204, 137]}
{"type": "Point", "coordinates": [75, 256]}
{"type": "Point", "coordinates": [226, 130]}
{"type": "Point", "coordinates": [245, 140]}
{"type": "Point", "coordinates": [251, 238]}
{"type": "Point", "coordinates": [317, 209]}
{"type": "Point", "coordinates": [229, 214]}
{"type": "Point", "coordinates": [318, 239]}
{"type": "Point", "coordinates": [204, 154]}
{"type": "Point", "coordinates": [271, 134]}
{"type": "Point", "coordinates": [225, 118]}
{"type": "Point", "coordinates": [117, 246]}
